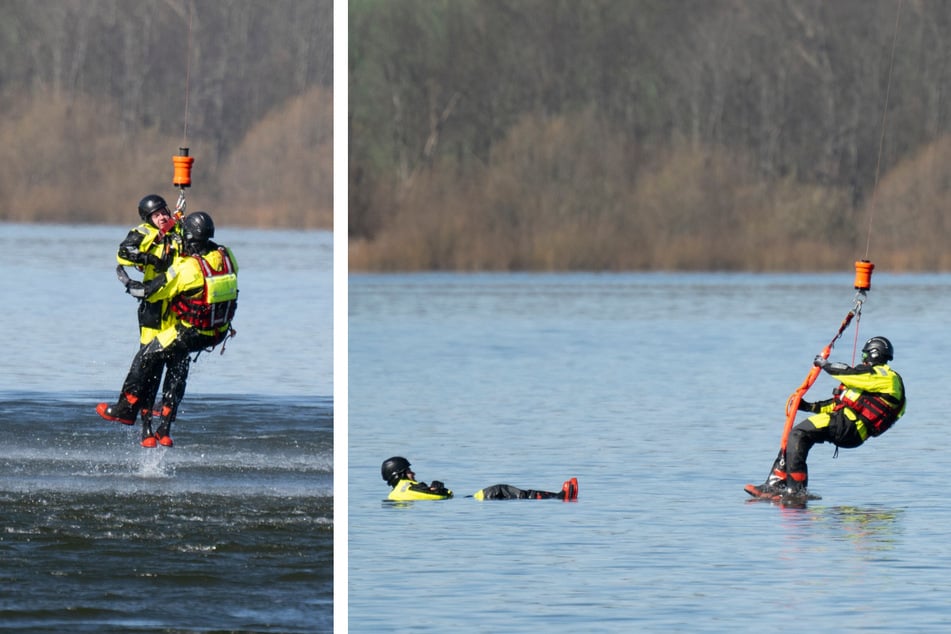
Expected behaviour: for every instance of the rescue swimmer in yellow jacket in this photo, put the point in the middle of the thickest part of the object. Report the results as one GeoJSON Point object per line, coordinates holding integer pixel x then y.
{"type": "Point", "coordinates": [868, 401]}
{"type": "Point", "coordinates": [397, 473]}
{"type": "Point", "coordinates": [150, 249]}
{"type": "Point", "coordinates": [201, 289]}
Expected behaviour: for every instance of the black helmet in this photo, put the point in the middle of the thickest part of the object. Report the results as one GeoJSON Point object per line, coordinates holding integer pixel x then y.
{"type": "Point", "coordinates": [878, 350]}
{"type": "Point", "coordinates": [198, 227]}
{"type": "Point", "coordinates": [150, 204]}
{"type": "Point", "coordinates": [393, 468]}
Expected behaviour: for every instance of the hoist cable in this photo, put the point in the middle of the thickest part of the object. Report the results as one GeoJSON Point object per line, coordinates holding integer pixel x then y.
{"type": "Point", "coordinates": [881, 140]}
{"type": "Point", "coordinates": [188, 54]}
{"type": "Point", "coordinates": [182, 163]}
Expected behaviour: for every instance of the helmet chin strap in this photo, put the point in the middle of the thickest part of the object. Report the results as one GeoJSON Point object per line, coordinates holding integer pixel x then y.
{"type": "Point", "coordinates": [194, 248]}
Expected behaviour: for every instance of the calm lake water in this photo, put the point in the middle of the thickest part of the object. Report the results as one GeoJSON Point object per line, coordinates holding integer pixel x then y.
{"type": "Point", "coordinates": [230, 530]}
{"type": "Point", "coordinates": [663, 394]}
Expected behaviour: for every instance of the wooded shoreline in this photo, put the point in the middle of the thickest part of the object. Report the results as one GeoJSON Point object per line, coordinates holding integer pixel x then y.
{"type": "Point", "coordinates": [649, 135]}
{"type": "Point", "coordinates": [96, 96]}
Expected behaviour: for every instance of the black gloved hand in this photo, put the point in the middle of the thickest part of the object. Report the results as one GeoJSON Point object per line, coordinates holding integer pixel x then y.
{"type": "Point", "coordinates": [439, 488]}
{"type": "Point", "coordinates": [820, 361]}
{"type": "Point", "coordinates": [135, 288]}
{"type": "Point", "coordinates": [806, 406]}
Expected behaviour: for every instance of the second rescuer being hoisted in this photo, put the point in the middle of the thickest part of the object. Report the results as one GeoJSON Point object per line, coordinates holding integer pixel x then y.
{"type": "Point", "coordinates": [869, 399]}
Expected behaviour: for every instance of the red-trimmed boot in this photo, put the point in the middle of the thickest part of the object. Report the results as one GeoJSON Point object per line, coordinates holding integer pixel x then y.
{"type": "Point", "coordinates": [570, 490]}
{"type": "Point", "coordinates": [148, 438]}
{"type": "Point", "coordinates": [164, 426]}
{"type": "Point", "coordinates": [796, 490]}
{"type": "Point", "coordinates": [773, 488]}
{"type": "Point", "coordinates": [122, 412]}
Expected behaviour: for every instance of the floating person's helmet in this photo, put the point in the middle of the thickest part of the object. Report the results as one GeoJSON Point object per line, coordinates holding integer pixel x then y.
{"type": "Point", "coordinates": [393, 469]}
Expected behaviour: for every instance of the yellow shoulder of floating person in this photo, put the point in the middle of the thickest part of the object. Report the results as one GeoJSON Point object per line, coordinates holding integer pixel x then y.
{"type": "Point", "coordinates": [403, 492]}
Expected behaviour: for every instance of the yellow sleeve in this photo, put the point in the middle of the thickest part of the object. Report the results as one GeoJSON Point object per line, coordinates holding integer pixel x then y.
{"type": "Point", "coordinates": [881, 380]}
{"type": "Point", "coordinates": [234, 261]}
{"type": "Point", "coordinates": [184, 275]}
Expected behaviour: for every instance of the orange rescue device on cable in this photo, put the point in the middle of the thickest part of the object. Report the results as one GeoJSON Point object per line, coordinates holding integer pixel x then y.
{"type": "Point", "coordinates": [183, 168]}
{"type": "Point", "coordinates": [863, 275]}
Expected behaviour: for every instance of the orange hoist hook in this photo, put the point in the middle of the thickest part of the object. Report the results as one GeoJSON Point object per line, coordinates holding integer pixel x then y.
{"type": "Point", "coordinates": [182, 178]}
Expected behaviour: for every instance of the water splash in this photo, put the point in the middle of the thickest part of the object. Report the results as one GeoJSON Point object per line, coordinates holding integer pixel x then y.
{"type": "Point", "coordinates": [152, 465]}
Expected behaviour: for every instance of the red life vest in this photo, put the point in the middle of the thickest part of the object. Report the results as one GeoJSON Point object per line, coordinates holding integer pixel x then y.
{"type": "Point", "coordinates": [878, 411]}
{"type": "Point", "coordinates": [215, 305]}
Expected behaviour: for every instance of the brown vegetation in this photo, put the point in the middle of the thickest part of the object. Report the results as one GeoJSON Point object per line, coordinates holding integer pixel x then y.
{"type": "Point", "coordinates": [562, 195]}
{"type": "Point", "coordinates": [281, 174]}
{"type": "Point", "coordinates": [92, 98]}
{"type": "Point", "coordinates": [66, 162]}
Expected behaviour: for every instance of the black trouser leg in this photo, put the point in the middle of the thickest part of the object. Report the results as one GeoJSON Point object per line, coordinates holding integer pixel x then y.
{"type": "Point", "coordinates": [138, 389]}
{"type": "Point", "coordinates": [801, 439]}
{"type": "Point", "coordinates": [146, 423]}
{"type": "Point", "coordinates": [177, 363]}
{"type": "Point", "coordinates": [509, 492]}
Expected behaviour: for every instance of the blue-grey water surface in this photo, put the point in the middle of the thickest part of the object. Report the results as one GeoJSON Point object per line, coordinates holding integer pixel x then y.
{"type": "Point", "coordinates": [663, 394]}
{"type": "Point", "coordinates": [229, 530]}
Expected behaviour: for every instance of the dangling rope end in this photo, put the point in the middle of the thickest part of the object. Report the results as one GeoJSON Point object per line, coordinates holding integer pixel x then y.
{"type": "Point", "coordinates": [231, 333]}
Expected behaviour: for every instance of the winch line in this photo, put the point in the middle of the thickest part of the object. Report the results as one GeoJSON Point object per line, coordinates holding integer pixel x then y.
{"type": "Point", "coordinates": [878, 163]}
{"type": "Point", "coordinates": [188, 63]}
{"type": "Point", "coordinates": [881, 140]}
{"type": "Point", "coordinates": [182, 163]}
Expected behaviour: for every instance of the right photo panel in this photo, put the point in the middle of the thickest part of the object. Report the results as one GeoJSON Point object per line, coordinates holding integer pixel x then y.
{"type": "Point", "coordinates": [635, 292]}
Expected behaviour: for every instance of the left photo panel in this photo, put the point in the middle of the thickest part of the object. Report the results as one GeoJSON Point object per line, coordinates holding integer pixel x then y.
{"type": "Point", "coordinates": [167, 248]}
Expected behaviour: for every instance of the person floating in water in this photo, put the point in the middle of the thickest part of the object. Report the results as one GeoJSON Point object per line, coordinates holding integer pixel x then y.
{"type": "Point", "coordinates": [869, 400]}
{"type": "Point", "coordinates": [397, 473]}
